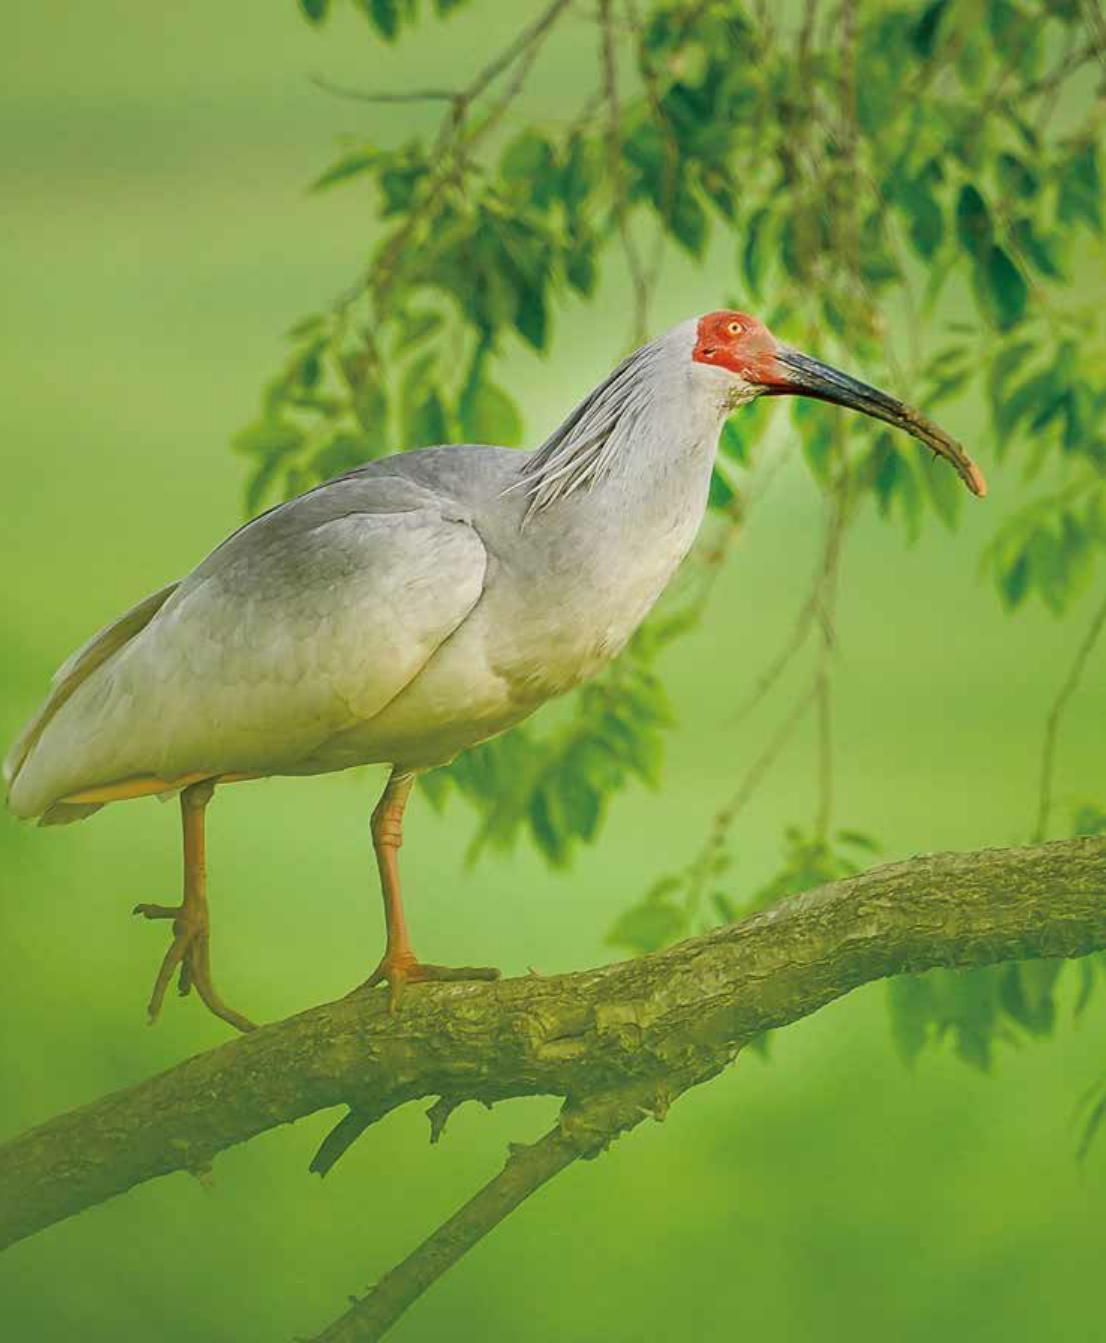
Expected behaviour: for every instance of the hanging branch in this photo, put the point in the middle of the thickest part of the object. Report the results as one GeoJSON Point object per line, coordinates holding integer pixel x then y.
{"type": "Point", "coordinates": [638, 277]}
{"type": "Point", "coordinates": [452, 145]}
{"type": "Point", "coordinates": [1055, 714]}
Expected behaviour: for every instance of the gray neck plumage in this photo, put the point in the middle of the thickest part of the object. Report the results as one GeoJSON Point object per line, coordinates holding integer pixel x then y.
{"type": "Point", "coordinates": [655, 415]}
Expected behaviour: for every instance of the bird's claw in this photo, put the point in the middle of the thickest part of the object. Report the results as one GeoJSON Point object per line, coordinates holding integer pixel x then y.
{"type": "Point", "coordinates": [188, 955]}
{"type": "Point", "coordinates": [399, 971]}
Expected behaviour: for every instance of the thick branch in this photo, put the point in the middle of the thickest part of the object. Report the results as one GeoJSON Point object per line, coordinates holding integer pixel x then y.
{"type": "Point", "coordinates": [578, 1035]}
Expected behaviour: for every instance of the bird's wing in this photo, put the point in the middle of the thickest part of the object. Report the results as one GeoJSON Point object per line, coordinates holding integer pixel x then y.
{"type": "Point", "coordinates": [78, 667]}
{"type": "Point", "coordinates": [303, 624]}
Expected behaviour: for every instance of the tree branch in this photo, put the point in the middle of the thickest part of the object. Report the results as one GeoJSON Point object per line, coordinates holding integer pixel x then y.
{"type": "Point", "coordinates": [583, 1131]}
{"type": "Point", "coordinates": [577, 1035]}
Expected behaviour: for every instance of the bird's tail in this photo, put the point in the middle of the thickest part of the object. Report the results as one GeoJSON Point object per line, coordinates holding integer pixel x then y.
{"type": "Point", "coordinates": [40, 800]}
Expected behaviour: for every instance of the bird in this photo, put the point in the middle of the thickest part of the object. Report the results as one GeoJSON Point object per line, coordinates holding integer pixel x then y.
{"type": "Point", "coordinates": [407, 610]}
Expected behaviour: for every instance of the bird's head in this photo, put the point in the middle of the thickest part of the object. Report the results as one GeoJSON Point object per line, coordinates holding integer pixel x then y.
{"type": "Point", "coordinates": [744, 348]}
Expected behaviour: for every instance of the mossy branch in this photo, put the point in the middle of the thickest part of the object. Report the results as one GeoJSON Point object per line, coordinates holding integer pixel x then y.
{"type": "Point", "coordinates": [647, 1028]}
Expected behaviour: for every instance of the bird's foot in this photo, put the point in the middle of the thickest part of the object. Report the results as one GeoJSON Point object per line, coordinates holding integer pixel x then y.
{"type": "Point", "coordinates": [189, 955]}
{"type": "Point", "coordinates": [399, 970]}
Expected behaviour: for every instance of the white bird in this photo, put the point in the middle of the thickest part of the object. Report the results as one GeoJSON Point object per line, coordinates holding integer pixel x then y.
{"type": "Point", "coordinates": [408, 610]}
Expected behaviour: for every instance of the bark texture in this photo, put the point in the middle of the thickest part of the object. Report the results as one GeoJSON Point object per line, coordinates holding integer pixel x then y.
{"type": "Point", "coordinates": [651, 1026]}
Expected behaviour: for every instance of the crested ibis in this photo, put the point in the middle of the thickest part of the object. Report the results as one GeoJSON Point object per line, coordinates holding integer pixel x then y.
{"type": "Point", "coordinates": [407, 610]}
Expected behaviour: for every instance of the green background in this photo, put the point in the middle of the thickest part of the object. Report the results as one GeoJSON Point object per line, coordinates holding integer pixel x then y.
{"type": "Point", "coordinates": [156, 240]}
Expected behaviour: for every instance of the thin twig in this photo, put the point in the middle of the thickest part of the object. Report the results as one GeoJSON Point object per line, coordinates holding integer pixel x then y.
{"type": "Point", "coordinates": [812, 605]}
{"type": "Point", "coordinates": [671, 144]}
{"type": "Point", "coordinates": [452, 146]}
{"type": "Point", "coordinates": [806, 32]}
{"type": "Point", "coordinates": [827, 611]}
{"type": "Point", "coordinates": [582, 1131]}
{"type": "Point", "coordinates": [370, 1317]}
{"type": "Point", "coordinates": [1056, 713]}
{"type": "Point", "coordinates": [638, 278]}
{"type": "Point", "coordinates": [1096, 27]}
{"type": "Point", "coordinates": [704, 863]}
{"type": "Point", "coordinates": [367, 96]}
{"type": "Point", "coordinates": [532, 33]}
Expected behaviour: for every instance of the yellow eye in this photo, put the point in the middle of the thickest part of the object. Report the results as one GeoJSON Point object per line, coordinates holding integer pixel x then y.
{"type": "Point", "coordinates": [735, 328]}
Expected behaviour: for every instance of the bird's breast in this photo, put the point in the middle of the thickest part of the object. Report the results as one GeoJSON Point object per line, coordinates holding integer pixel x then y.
{"type": "Point", "coordinates": [564, 620]}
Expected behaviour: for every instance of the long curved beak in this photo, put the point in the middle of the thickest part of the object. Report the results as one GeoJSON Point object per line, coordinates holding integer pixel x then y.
{"type": "Point", "coordinates": [796, 374]}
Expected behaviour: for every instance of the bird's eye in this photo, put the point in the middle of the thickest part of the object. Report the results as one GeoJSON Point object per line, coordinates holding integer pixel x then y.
{"type": "Point", "coordinates": [735, 328]}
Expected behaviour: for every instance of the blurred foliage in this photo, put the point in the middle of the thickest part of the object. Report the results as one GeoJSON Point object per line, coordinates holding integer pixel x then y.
{"type": "Point", "coordinates": [387, 17]}
{"type": "Point", "coordinates": [868, 170]}
{"type": "Point", "coordinates": [692, 901]}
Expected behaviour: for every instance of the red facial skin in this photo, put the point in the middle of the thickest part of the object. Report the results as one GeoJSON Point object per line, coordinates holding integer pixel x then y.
{"type": "Point", "coordinates": [742, 345]}
{"type": "Point", "coordinates": [739, 343]}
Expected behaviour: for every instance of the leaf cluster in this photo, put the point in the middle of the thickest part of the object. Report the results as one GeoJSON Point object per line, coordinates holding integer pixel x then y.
{"type": "Point", "coordinates": [910, 191]}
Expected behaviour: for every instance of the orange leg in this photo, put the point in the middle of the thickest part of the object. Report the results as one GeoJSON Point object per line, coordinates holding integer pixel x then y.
{"type": "Point", "coordinates": [399, 966]}
{"type": "Point", "coordinates": [189, 950]}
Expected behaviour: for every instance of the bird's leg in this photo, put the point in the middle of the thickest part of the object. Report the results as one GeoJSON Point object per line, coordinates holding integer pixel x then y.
{"type": "Point", "coordinates": [189, 950]}
{"type": "Point", "coordinates": [399, 965]}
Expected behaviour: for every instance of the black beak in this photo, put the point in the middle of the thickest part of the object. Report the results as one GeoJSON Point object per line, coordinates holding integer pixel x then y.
{"type": "Point", "coordinates": [797, 374]}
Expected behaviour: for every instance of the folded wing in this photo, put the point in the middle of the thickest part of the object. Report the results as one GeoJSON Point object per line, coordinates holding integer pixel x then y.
{"type": "Point", "coordinates": [305, 623]}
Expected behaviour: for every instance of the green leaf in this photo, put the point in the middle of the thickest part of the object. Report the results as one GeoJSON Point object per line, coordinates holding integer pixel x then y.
{"type": "Point", "coordinates": [721, 494]}
{"type": "Point", "coordinates": [816, 438]}
{"type": "Point", "coordinates": [732, 443]}
{"type": "Point", "coordinates": [423, 412]}
{"type": "Point", "coordinates": [895, 483]}
{"type": "Point", "coordinates": [1089, 819]}
{"type": "Point", "coordinates": [370, 405]}
{"type": "Point", "coordinates": [1043, 253]}
{"type": "Point", "coordinates": [653, 923]}
{"type": "Point", "coordinates": [581, 173]}
{"type": "Point", "coordinates": [488, 415]}
{"type": "Point", "coordinates": [687, 221]}
{"type": "Point", "coordinates": [314, 11]}
{"type": "Point", "coordinates": [351, 164]}
{"type": "Point", "coordinates": [531, 316]}
{"type": "Point", "coordinates": [427, 424]}
{"type": "Point", "coordinates": [415, 327]}
{"type": "Point", "coordinates": [924, 36]}
{"type": "Point", "coordinates": [1006, 288]}
{"type": "Point", "coordinates": [1015, 177]}
{"type": "Point", "coordinates": [273, 438]}
{"type": "Point", "coordinates": [1080, 195]}
{"type": "Point", "coordinates": [973, 223]}
{"type": "Point", "coordinates": [383, 15]}
{"type": "Point", "coordinates": [341, 453]}
{"type": "Point", "coordinates": [945, 491]}
{"type": "Point", "coordinates": [927, 223]}
{"type": "Point", "coordinates": [1014, 582]}
{"type": "Point", "coordinates": [754, 254]}
{"type": "Point", "coordinates": [259, 484]}
{"type": "Point", "coordinates": [910, 998]}
{"type": "Point", "coordinates": [580, 267]}
{"type": "Point", "coordinates": [528, 156]}
{"type": "Point", "coordinates": [856, 839]}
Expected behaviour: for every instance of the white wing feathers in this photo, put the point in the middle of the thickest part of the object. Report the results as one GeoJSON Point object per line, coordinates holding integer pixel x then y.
{"type": "Point", "coordinates": [78, 667]}
{"type": "Point", "coordinates": [303, 624]}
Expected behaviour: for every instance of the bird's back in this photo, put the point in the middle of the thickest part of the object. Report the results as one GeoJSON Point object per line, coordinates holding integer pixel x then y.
{"type": "Point", "coordinates": [305, 621]}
